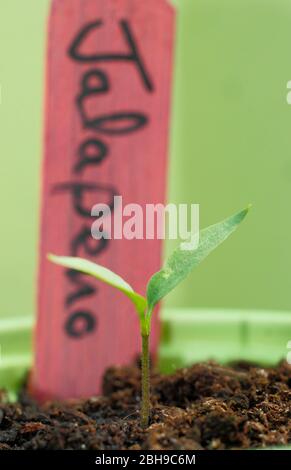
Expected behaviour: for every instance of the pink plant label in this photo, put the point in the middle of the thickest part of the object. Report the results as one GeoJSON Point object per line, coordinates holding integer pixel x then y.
{"type": "Point", "coordinates": [108, 91]}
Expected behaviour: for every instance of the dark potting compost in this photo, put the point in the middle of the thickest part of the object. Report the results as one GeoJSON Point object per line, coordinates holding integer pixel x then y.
{"type": "Point", "coordinates": [206, 406]}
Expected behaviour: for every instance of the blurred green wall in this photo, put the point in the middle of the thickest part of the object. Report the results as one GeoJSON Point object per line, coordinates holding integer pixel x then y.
{"type": "Point", "coordinates": [21, 73]}
{"type": "Point", "coordinates": [231, 145]}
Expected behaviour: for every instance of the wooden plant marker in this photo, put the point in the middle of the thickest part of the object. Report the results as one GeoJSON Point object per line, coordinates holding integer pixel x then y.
{"type": "Point", "coordinates": [107, 124]}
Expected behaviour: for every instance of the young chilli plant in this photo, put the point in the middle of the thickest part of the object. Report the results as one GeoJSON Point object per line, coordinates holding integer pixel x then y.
{"type": "Point", "coordinates": [175, 270]}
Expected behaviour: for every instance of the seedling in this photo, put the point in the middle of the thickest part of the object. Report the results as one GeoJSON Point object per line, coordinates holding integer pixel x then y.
{"type": "Point", "coordinates": [175, 270]}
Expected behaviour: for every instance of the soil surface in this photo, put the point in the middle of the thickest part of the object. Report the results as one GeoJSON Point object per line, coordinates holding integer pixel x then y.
{"type": "Point", "coordinates": [203, 407]}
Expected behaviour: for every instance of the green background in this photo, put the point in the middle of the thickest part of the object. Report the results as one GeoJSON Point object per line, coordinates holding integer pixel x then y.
{"type": "Point", "coordinates": [230, 145]}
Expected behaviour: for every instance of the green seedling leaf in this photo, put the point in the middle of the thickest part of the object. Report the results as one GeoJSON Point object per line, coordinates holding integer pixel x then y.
{"type": "Point", "coordinates": [183, 259]}
{"type": "Point", "coordinates": [103, 274]}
